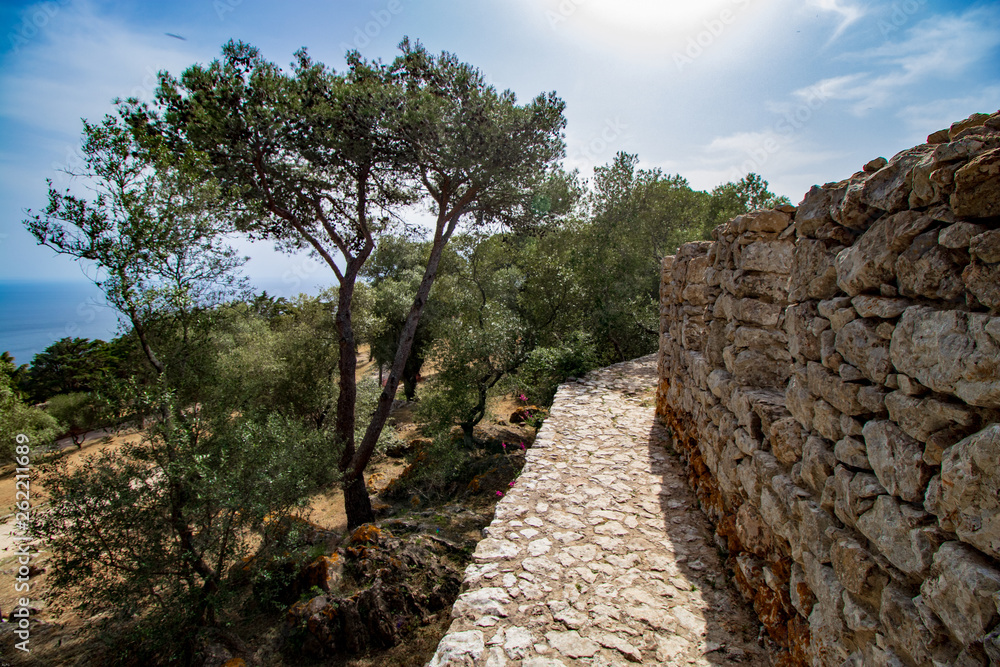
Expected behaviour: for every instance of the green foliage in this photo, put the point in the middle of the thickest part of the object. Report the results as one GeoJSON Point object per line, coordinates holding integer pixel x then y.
{"type": "Point", "coordinates": [78, 413]}
{"type": "Point", "coordinates": [16, 417]}
{"type": "Point", "coordinates": [748, 194]}
{"type": "Point", "coordinates": [548, 367]}
{"type": "Point", "coordinates": [152, 530]}
{"type": "Point", "coordinates": [71, 365]}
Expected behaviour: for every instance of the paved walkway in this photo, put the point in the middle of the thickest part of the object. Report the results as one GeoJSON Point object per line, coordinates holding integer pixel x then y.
{"type": "Point", "coordinates": [598, 555]}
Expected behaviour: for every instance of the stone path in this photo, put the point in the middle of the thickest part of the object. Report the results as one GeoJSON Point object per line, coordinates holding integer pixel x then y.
{"type": "Point", "coordinates": [599, 555]}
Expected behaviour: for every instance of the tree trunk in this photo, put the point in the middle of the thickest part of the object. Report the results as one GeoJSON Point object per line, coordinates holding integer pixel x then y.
{"type": "Point", "coordinates": [357, 504]}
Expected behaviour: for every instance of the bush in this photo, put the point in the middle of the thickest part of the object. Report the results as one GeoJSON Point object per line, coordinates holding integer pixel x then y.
{"type": "Point", "coordinates": [150, 532]}
{"type": "Point", "coordinates": [548, 367]}
{"type": "Point", "coordinates": [78, 413]}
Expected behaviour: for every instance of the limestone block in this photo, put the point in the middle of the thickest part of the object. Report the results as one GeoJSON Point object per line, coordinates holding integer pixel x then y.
{"type": "Point", "coordinates": [959, 590]}
{"type": "Point", "coordinates": [800, 401]}
{"type": "Point", "coordinates": [773, 257]}
{"type": "Point", "coordinates": [850, 210]}
{"type": "Point", "coordinates": [903, 626]}
{"type": "Point", "coordinates": [929, 270]}
{"type": "Point", "coordinates": [826, 421]}
{"type": "Point", "coordinates": [747, 443]}
{"type": "Point", "coordinates": [769, 220]}
{"type": "Point", "coordinates": [889, 188]}
{"type": "Point", "coordinates": [902, 533]}
{"type": "Point", "coordinates": [886, 308]}
{"type": "Point", "coordinates": [752, 532]}
{"type": "Point", "coordinates": [754, 311]}
{"type": "Point", "coordinates": [951, 352]}
{"type": "Point", "coordinates": [852, 451]}
{"type": "Point", "coordinates": [871, 260]}
{"type": "Point", "coordinates": [814, 273]}
{"type": "Point", "coordinates": [859, 343]}
{"type": "Point", "coordinates": [803, 344]}
{"type": "Point", "coordinates": [818, 462]}
{"type": "Point", "coordinates": [983, 282]}
{"type": "Point", "coordinates": [970, 477]}
{"type": "Point", "coordinates": [771, 342]}
{"type": "Point", "coordinates": [986, 246]}
{"type": "Point", "coordinates": [897, 460]}
{"type": "Point", "coordinates": [801, 595]}
{"type": "Point", "coordinates": [720, 383]}
{"type": "Point", "coordinates": [841, 395]}
{"type": "Point", "coordinates": [768, 287]}
{"type": "Point", "coordinates": [857, 569]}
{"type": "Point", "coordinates": [977, 187]}
{"type": "Point", "coordinates": [813, 212]}
{"type": "Point", "coordinates": [787, 438]}
{"type": "Point", "coordinates": [814, 522]}
{"type": "Point", "coordinates": [959, 235]}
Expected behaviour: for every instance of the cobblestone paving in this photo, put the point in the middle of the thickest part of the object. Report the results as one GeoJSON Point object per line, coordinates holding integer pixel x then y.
{"type": "Point", "coordinates": [599, 555]}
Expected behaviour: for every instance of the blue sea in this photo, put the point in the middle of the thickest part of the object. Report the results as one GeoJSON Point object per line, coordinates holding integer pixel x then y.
{"type": "Point", "coordinates": [33, 315]}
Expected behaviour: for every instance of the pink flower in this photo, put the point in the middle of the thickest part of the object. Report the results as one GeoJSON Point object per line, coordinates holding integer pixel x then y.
{"type": "Point", "coordinates": [522, 446]}
{"type": "Point", "coordinates": [511, 484]}
{"type": "Point", "coordinates": [500, 493]}
{"type": "Point", "coordinates": [523, 398]}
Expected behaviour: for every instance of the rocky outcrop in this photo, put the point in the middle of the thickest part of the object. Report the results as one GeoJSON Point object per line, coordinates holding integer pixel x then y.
{"type": "Point", "coordinates": [831, 374]}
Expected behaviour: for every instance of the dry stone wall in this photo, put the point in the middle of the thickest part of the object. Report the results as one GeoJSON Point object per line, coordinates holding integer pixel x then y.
{"type": "Point", "coordinates": [831, 375]}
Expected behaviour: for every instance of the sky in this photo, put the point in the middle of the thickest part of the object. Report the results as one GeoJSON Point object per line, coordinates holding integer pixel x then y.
{"type": "Point", "coordinates": [799, 91]}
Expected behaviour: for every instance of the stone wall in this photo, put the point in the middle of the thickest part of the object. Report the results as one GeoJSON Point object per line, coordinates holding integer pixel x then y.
{"type": "Point", "coordinates": [831, 375]}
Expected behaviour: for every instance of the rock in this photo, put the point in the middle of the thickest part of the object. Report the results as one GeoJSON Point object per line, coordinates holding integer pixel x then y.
{"type": "Point", "coordinates": [874, 165]}
{"type": "Point", "coordinates": [459, 648]}
{"type": "Point", "coordinates": [977, 187]}
{"type": "Point", "coordinates": [970, 477]}
{"type": "Point", "coordinates": [489, 601]}
{"type": "Point", "coordinates": [959, 590]}
{"type": "Point", "coordinates": [879, 306]}
{"type": "Point", "coordinates": [762, 221]}
{"type": "Point", "coordinates": [929, 270]}
{"type": "Point", "coordinates": [852, 452]}
{"type": "Point", "coordinates": [818, 462]}
{"type": "Point", "coordinates": [860, 345]}
{"type": "Point", "coordinates": [959, 126]}
{"type": "Point", "coordinates": [920, 418]}
{"type": "Point", "coordinates": [851, 210]}
{"type": "Point", "coordinates": [903, 534]}
{"type": "Point", "coordinates": [787, 438]}
{"type": "Point", "coordinates": [897, 460]}
{"type": "Point", "coordinates": [857, 569]}
{"type": "Point", "coordinates": [803, 344]}
{"type": "Point", "coordinates": [841, 395]}
{"type": "Point", "coordinates": [813, 211]}
{"type": "Point", "coordinates": [871, 260]}
{"type": "Point", "coordinates": [903, 626]}
{"type": "Point", "coordinates": [773, 257]}
{"type": "Point", "coordinates": [986, 246]}
{"type": "Point", "coordinates": [814, 273]}
{"type": "Point", "coordinates": [571, 644]}
{"type": "Point", "coordinates": [889, 188]}
{"type": "Point", "coordinates": [950, 352]}
{"type": "Point", "coordinates": [983, 282]}
{"type": "Point", "coordinates": [959, 235]}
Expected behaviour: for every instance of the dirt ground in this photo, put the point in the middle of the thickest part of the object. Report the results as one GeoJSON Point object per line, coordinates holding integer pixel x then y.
{"type": "Point", "coordinates": [60, 631]}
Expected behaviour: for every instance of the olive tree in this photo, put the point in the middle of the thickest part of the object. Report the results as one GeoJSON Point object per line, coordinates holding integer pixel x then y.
{"type": "Point", "coordinates": [333, 161]}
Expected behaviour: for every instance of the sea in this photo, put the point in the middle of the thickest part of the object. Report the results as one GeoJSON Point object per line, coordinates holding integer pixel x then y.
{"type": "Point", "coordinates": [33, 315]}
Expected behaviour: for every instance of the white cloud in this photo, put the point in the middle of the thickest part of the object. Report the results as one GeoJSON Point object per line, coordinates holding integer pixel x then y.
{"type": "Point", "coordinates": [849, 14]}
{"type": "Point", "coordinates": [941, 47]}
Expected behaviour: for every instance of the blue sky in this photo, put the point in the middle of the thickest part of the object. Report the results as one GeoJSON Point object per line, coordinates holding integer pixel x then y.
{"type": "Point", "coordinates": [800, 91]}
